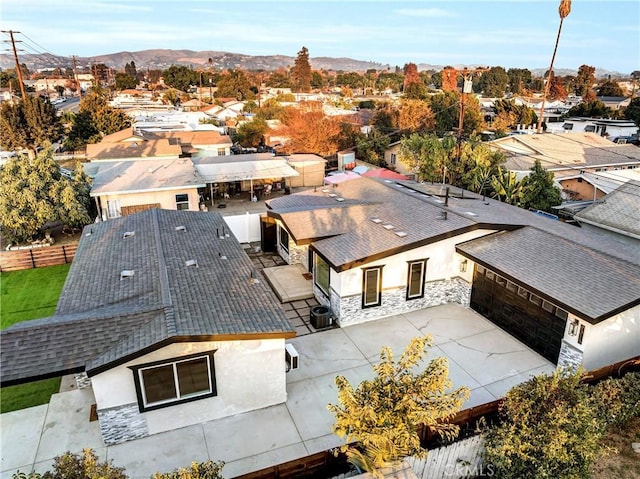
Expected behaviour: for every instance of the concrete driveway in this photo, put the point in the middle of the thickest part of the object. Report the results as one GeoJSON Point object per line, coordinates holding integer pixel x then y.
{"type": "Point", "coordinates": [481, 356]}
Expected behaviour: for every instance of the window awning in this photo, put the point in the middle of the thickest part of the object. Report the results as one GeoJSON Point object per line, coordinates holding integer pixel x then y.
{"type": "Point", "coordinates": [245, 170]}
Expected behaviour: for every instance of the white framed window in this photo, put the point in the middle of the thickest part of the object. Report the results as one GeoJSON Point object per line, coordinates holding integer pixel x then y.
{"type": "Point", "coordinates": [415, 279]}
{"type": "Point", "coordinates": [321, 274]}
{"type": "Point", "coordinates": [222, 152]}
{"type": "Point", "coordinates": [372, 287]}
{"type": "Point", "coordinates": [182, 202]}
{"type": "Point", "coordinates": [284, 238]}
{"type": "Point", "coordinates": [113, 209]}
{"type": "Point", "coordinates": [164, 383]}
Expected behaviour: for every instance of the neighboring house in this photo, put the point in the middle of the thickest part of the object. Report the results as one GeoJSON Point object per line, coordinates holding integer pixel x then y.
{"type": "Point", "coordinates": [613, 129]}
{"type": "Point", "coordinates": [392, 158]}
{"type": "Point", "coordinates": [122, 188]}
{"type": "Point", "coordinates": [595, 186]}
{"type": "Point", "coordinates": [382, 247]}
{"type": "Point", "coordinates": [311, 169]}
{"type": "Point", "coordinates": [615, 102]}
{"type": "Point", "coordinates": [161, 317]}
{"type": "Point", "coordinates": [566, 154]}
{"type": "Point", "coordinates": [618, 213]}
{"type": "Point", "coordinates": [134, 150]}
{"type": "Point", "coordinates": [197, 142]}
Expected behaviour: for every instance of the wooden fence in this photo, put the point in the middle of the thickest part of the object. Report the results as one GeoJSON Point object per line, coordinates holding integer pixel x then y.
{"type": "Point", "coordinates": [37, 257]}
{"type": "Point", "coordinates": [457, 460]}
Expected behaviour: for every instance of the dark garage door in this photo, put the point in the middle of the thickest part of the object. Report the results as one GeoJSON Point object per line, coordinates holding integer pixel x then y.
{"type": "Point", "coordinates": [537, 323]}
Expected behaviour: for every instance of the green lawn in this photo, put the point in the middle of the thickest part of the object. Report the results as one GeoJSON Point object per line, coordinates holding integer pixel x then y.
{"type": "Point", "coordinates": [24, 295]}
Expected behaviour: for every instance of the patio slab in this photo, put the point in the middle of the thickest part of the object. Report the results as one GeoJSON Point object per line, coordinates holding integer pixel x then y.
{"type": "Point", "coordinates": [288, 282]}
{"type": "Point", "coordinates": [481, 357]}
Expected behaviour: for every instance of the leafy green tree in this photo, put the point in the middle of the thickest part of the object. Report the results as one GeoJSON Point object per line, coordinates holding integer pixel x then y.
{"type": "Point", "coordinates": [234, 84]}
{"type": "Point", "coordinates": [632, 112]}
{"type": "Point", "coordinates": [125, 81]}
{"type": "Point", "coordinates": [506, 186]}
{"type": "Point", "coordinates": [350, 79]}
{"type": "Point", "coordinates": [385, 118]}
{"type": "Point", "coordinates": [538, 190]}
{"type": "Point", "coordinates": [585, 79]}
{"type": "Point", "coordinates": [548, 429]}
{"type": "Point", "coordinates": [180, 77]}
{"type": "Point", "coordinates": [130, 69]}
{"type": "Point", "coordinates": [203, 470]}
{"type": "Point", "coordinates": [509, 115]}
{"type": "Point", "coordinates": [270, 109]}
{"type": "Point", "coordinates": [425, 155]}
{"type": "Point", "coordinates": [34, 192]}
{"type": "Point", "coordinates": [416, 91]}
{"type": "Point", "coordinates": [446, 108]}
{"type": "Point", "coordinates": [591, 109]}
{"type": "Point", "coordinates": [371, 147]}
{"type": "Point", "coordinates": [30, 124]}
{"type": "Point", "coordinates": [610, 88]}
{"type": "Point", "coordinates": [251, 134]}
{"type": "Point", "coordinates": [383, 415]}
{"type": "Point", "coordinates": [493, 83]}
{"type": "Point", "coordinates": [519, 80]}
{"type": "Point", "coordinates": [389, 80]}
{"type": "Point", "coordinates": [301, 71]}
{"type": "Point", "coordinates": [279, 79]}
{"type": "Point", "coordinates": [9, 77]}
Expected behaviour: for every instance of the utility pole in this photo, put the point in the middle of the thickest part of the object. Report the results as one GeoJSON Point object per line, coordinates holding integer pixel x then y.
{"type": "Point", "coordinates": [75, 76]}
{"type": "Point", "coordinates": [15, 56]}
{"type": "Point", "coordinates": [467, 87]}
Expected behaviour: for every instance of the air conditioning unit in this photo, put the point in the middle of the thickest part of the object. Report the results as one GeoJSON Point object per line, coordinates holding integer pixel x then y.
{"type": "Point", "coordinates": [291, 357]}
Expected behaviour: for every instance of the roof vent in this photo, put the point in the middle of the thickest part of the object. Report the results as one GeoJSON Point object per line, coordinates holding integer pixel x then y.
{"type": "Point", "coordinates": [181, 228]}
{"type": "Point", "coordinates": [339, 199]}
{"type": "Point", "coordinates": [388, 226]}
{"type": "Point", "coordinates": [324, 190]}
{"type": "Point", "coordinates": [332, 195]}
{"type": "Point", "coordinates": [402, 234]}
{"type": "Point", "coordinates": [126, 273]}
{"type": "Point", "coordinates": [376, 220]}
{"type": "Point", "coordinates": [128, 234]}
{"type": "Point", "coordinates": [253, 279]}
{"type": "Point", "coordinates": [442, 215]}
{"type": "Point", "coordinates": [221, 256]}
{"type": "Point", "coordinates": [191, 262]}
{"type": "Point", "coordinates": [470, 213]}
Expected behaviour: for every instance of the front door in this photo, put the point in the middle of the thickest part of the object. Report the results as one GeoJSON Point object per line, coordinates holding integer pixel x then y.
{"type": "Point", "coordinates": [268, 234]}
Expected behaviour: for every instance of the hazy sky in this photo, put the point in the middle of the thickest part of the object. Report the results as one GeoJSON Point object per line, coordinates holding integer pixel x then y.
{"type": "Point", "coordinates": [514, 33]}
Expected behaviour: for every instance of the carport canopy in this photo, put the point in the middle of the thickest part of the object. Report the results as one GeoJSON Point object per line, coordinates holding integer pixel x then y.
{"type": "Point", "coordinates": [225, 171]}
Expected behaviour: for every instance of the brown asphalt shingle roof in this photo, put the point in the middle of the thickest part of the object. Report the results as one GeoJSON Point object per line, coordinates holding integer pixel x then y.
{"type": "Point", "coordinates": [164, 301]}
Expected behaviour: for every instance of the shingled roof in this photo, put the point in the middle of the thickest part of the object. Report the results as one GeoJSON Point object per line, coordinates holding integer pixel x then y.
{"type": "Point", "coordinates": [590, 284]}
{"type": "Point", "coordinates": [104, 318]}
{"type": "Point", "coordinates": [357, 231]}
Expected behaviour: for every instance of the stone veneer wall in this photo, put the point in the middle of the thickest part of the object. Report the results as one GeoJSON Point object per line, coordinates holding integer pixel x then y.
{"type": "Point", "coordinates": [570, 356]}
{"type": "Point", "coordinates": [296, 254]}
{"type": "Point", "coordinates": [348, 310]}
{"type": "Point", "coordinates": [122, 423]}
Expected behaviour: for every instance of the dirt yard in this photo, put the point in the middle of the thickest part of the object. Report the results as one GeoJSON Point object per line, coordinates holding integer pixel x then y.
{"type": "Point", "coordinates": [623, 463]}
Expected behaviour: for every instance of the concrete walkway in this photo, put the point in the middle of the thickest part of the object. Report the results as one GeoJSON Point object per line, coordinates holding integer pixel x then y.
{"type": "Point", "coordinates": [481, 356]}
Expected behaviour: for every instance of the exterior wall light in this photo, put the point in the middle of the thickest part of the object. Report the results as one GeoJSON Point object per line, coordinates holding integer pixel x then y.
{"type": "Point", "coordinates": [573, 327]}
{"type": "Point", "coordinates": [463, 266]}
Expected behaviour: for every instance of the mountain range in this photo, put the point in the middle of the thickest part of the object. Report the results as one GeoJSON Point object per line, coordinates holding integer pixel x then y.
{"type": "Point", "coordinates": [164, 58]}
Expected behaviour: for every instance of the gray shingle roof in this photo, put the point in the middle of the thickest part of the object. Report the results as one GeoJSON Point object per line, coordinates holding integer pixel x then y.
{"type": "Point", "coordinates": [216, 299]}
{"type": "Point", "coordinates": [619, 211]}
{"type": "Point", "coordinates": [590, 283]}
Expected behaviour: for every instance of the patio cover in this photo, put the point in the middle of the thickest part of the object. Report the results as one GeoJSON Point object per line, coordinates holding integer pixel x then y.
{"type": "Point", "coordinates": [245, 170]}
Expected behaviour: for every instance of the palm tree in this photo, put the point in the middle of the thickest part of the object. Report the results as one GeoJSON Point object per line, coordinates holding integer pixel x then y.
{"type": "Point", "coordinates": [563, 10]}
{"type": "Point", "coordinates": [507, 187]}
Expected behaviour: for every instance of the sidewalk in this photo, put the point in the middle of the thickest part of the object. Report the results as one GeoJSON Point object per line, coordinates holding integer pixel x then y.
{"type": "Point", "coordinates": [481, 356]}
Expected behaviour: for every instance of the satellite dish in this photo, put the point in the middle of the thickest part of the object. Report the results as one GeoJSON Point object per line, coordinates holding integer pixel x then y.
{"type": "Point", "coordinates": [360, 169]}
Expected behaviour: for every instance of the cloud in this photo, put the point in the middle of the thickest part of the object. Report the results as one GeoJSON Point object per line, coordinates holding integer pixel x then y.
{"type": "Point", "coordinates": [426, 13]}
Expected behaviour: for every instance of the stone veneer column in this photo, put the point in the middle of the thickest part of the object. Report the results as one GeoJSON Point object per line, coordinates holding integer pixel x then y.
{"type": "Point", "coordinates": [122, 423]}
{"type": "Point", "coordinates": [82, 381]}
{"type": "Point", "coordinates": [570, 356]}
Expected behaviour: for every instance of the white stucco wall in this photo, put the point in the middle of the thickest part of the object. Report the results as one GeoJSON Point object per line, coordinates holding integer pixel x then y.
{"type": "Point", "coordinates": [166, 199]}
{"type": "Point", "coordinates": [443, 263]}
{"type": "Point", "coordinates": [249, 375]}
{"type": "Point", "coordinates": [612, 340]}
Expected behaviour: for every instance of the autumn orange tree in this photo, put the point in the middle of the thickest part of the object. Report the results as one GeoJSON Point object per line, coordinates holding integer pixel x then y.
{"type": "Point", "coordinates": [415, 115]}
{"type": "Point", "coordinates": [309, 130]}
